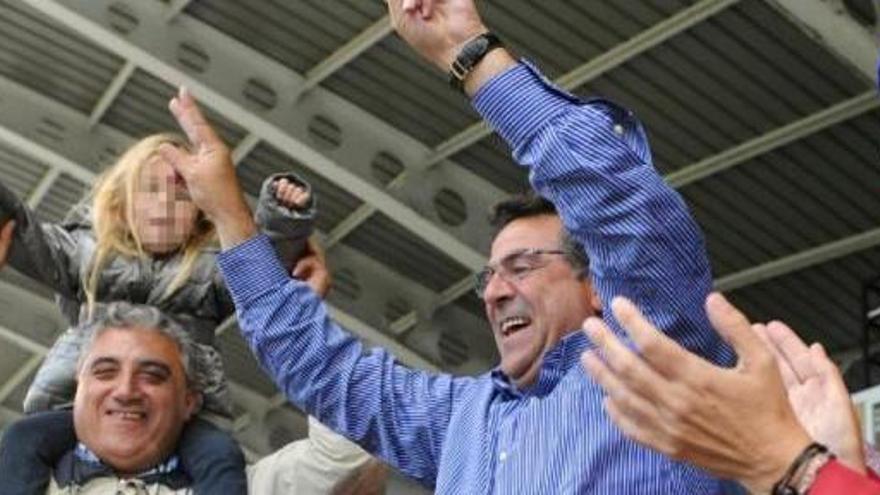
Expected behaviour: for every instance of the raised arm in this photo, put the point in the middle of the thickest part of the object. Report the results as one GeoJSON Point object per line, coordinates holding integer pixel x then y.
{"type": "Point", "coordinates": [593, 161]}
{"type": "Point", "coordinates": [286, 213]}
{"type": "Point", "coordinates": [399, 414]}
{"type": "Point", "coordinates": [46, 252]}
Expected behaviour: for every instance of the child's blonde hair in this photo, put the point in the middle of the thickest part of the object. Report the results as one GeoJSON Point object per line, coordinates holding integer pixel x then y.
{"type": "Point", "coordinates": [113, 216]}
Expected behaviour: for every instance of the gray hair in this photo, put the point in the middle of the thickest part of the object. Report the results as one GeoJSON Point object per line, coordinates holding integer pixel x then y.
{"type": "Point", "coordinates": [127, 316]}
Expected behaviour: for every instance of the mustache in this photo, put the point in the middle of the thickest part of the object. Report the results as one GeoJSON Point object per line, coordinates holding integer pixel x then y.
{"type": "Point", "coordinates": [514, 307]}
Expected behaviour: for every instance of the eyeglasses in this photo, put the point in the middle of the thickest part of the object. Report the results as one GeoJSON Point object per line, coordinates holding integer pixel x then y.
{"type": "Point", "coordinates": [515, 266]}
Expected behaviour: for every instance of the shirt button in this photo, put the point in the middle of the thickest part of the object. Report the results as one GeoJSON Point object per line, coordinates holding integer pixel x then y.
{"type": "Point", "coordinates": [502, 456]}
{"type": "Point", "coordinates": [618, 129]}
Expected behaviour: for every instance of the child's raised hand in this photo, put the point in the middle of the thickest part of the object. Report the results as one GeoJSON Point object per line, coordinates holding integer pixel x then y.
{"type": "Point", "coordinates": [291, 195]}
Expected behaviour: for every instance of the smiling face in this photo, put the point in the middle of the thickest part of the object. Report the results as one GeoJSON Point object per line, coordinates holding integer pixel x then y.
{"type": "Point", "coordinates": [164, 214]}
{"type": "Point", "coordinates": [132, 398]}
{"type": "Point", "coordinates": [529, 315]}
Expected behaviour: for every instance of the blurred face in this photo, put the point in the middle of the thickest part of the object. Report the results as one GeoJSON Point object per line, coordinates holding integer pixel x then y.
{"type": "Point", "coordinates": [533, 301]}
{"type": "Point", "coordinates": [132, 399]}
{"type": "Point", "coordinates": [164, 214]}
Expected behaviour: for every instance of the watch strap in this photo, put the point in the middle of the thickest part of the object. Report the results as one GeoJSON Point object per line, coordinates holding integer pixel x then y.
{"type": "Point", "coordinates": [470, 55]}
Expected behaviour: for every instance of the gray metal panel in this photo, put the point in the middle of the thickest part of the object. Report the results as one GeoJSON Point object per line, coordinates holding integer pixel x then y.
{"type": "Point", "coordinates": [41, 324]}
{"type": "Point", "coordinates": [298, 34]}
{"type": "Point", "coordinates": [142, 109]}
{"type": "Point", "coordinates": [822, 303]}
{"type": "Point", "coordinates": [472, 304]}
{"type": "Point", "coordinates": [562, 34]}
{"type": "Point", "coordinates": [16, 398]}
{"type": "Point", "coordinates": [51, 60]}
{"type": "Point", "coordinates": [490, 159]}
{"type": "Point", "coordinates": [393, 83]}
{"type": "Point", "coordinates": [240, 365]}
{"type": "Point", "coordinates": [334, 204]}
{"type": "Point", "coordinates": [12, 358]}
{"type": "Point", "coordinates": [19, 173]}
{"type": "Point", "coordinates": [737, 75]}
{"type": "Point", "coordinates": [809, 193]}
{"type": "Point", "coordinates": [390, 244]}
{"type": "Point", "coordinates": [63, 195]}
{"type": "Point", "coordinates": [16, 279]}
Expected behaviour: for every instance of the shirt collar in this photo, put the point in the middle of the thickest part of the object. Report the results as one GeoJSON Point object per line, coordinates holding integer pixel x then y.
{"type": "Point", "coordinates": [557, 362]}
{"type": "Point", "coordinates": [81, 465]}
{"type": "Point", "coordinates": [170, 465]}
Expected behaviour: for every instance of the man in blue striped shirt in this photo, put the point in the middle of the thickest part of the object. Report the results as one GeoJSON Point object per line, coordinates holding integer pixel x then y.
{"type": "Point", "coordinates": [536, 424]}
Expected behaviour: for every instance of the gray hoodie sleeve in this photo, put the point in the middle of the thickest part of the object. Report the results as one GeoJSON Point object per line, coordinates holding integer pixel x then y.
{"type": "Point", "coordinates": [288, 228]}
{"type": "Point", "coordinates": [43, 251]}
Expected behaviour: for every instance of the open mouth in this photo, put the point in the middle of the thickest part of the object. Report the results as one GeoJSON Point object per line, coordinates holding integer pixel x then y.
{"type": "Point", "coordinates": [513, 324]}
{"type": "Point", "coordinates": [127, 415]}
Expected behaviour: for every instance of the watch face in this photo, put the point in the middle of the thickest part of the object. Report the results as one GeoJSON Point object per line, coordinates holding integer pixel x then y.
{"type": "Point", "coordinates": [470, 55]}
{"type": "Point", "coordinates": [476, 47]}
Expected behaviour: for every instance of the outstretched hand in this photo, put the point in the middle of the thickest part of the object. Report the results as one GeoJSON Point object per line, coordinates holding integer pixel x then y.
{"type": "Point", "coordinates": [817, 394]}
{"type": "Point", "coordinates": [209, 172]}
{"type": "Point", "coordinates": [6, 233]}
{"type": "Point", "coordinates": [735, 422]}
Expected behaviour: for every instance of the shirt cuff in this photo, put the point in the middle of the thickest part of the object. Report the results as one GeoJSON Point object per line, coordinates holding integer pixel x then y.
{"type": "Point", "coordinates": [519, 101]}
{"type": "Point", "coordinates": [250, 268]}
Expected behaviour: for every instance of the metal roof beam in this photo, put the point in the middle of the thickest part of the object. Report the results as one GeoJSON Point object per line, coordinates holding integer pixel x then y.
{"type": "Point", "coordinates": [20, 375]}
{"type": "Point", "coordinates": [151, 45]}
{"type": "Point", "coordinates": [244, 147]}
{"type": "Point", "coordinates": [335, 61]}
{"type": "Point", "coordinates": [175, 8]}
{"type": "Point", "coordinates": [39, 305]}
{"type": "Point", "coordinates": [577, 77]}
{"type": "Point", "coordinates": [774, 139]}
{"type": "Point", "coordinates": [23, 112]}
{"type": "Point", "coordinates": [364, 40]}
{"type": "Point", "coordinates": [14, 130]}
{"type": "Point", "coordinates": [830, 25]}
{"type": "Point", "coordinates": [112, 91]}
{"type": "Point", "coordinates": [799, 261]}
{"type": "Point", "coordinates": [46, 182]}
{"type": "Point", "coordinates": [601, 64]}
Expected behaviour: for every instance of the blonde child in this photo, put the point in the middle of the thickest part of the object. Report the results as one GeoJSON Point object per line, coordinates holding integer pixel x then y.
{"type": "Point", "coordinates": [139, 239]}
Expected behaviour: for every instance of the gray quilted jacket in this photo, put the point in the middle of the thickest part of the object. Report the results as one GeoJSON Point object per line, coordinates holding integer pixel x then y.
{"type": "Point", "coordinates": [60, 254]}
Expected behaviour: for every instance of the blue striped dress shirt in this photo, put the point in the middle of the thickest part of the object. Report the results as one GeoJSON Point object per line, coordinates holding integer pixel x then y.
{"type": "Point", "coordinates": [480, 435]}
